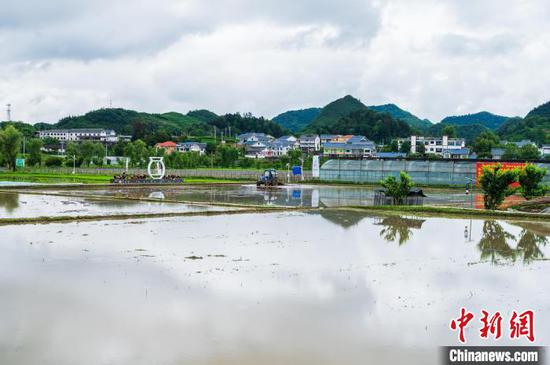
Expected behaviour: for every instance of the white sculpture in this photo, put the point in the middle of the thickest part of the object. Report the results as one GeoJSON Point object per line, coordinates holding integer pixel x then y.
{"type": "Point", "coordinates": [157, 172]}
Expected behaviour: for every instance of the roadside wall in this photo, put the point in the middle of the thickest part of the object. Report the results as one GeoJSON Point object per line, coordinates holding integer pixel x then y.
{"type": "Point", "coordinates": [213, 173]}
{"type": "Point", "coordinates": [421, 171]}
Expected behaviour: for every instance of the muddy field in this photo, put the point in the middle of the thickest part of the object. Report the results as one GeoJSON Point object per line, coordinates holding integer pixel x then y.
{"type": "Point", "coordinates": [318, 287]}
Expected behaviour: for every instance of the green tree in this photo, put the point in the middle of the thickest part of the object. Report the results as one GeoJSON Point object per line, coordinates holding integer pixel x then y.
{"type": "Point", "coordinates": [398, 189]}
{"type": "Point", "coordinates": [530, 179]}
{"type": "Point", "coordinates": [511, 152]}
{"type": "Point", "coordinates": [449, 131]}
{"type": "Point", "coordinates": [484, 142]}
{"type": "Point", "coordinates": [227, 156]}
{"type": "Point", "coordinates": [10, 143]}
{"type": "Point", "coordinates": [421, 149]}
{"type": "Point", "coordinates": [34, 148]}
{"type": "Point", "coordinates": [529, 152]}
{"type": "Point", "coordinates": [495, 184]}
{"type": "Point", "coordinates": [406, 147]}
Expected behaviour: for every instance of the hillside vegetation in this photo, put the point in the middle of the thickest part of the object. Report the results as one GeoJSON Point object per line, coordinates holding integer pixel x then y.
{"type": "Point", "coordinates": [398, 113]}
{"type": "Point", "coordinates": [332, 112]}
{"type": "Point", "coordinates": [486, 119]}
{"type": "Point", "coordinates": [379, 127]}
{"type": "Point", "coordinates": [540, 111]}
{"type": "Point", "coordinates": [296, 120]}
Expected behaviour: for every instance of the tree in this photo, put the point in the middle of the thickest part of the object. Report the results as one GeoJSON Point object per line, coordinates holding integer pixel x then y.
{"type": "Point", "coordinates": [421, 149]}
{"type": "Point", "coordinates": [511, 152]}
{"type": "Point", "coordinates": [10, 142]}
{"type": "Point", "coordinates": [529, 152]}
{"type": "Point", "coordinates": [406, 147]}
{"type": "Point", "coordinates": [495, 184]}
{"type": "Point", "coordinates": [34, 147]}
{"type": "Point", "coordinates": [398, 189]}
{"type": "Point", "coordinates": [530, 179]}
{"type": "Point", "coordinates": [484, 142]}
{"type": "Point", "coordinates": [449, 131]}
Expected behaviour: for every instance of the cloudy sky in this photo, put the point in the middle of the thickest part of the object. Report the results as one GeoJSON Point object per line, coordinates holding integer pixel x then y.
{"type": "Point", "coordinates": [431, 57]}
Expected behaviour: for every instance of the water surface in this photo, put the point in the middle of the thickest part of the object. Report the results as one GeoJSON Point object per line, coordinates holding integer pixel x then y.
{"type": "Point", "coordinates": [328, 287]}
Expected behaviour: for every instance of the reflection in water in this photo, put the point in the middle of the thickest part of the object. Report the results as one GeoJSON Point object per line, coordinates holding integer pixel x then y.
{"type": "Point", "coordinates": [9, 201]}
{"type": "Point", "coordinates": [497, 243]}
{"type": "Point", "coordinates": [529, 245]}
{"type": "Point", "coordinates": [398, 229]}
{"type": "Point", "coordinates": [345, 219]}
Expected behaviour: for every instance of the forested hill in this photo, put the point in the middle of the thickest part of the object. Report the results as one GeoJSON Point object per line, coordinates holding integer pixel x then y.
{"type": "Point", "coordinates": [161, 127]}
{"type": "Point", "coordinates": [486, 119]}
{"type": "Point", "coordinates": [379, 127]}
{"type": "Point", "coordinates": [332, 112]}
{"type": "Point", "coordinates": [540, 111]}
{"type": "Point", "coordinates": [125, 121]}
{"type": "Point", "coordinates": [398, 113]}
{"type": "Point", "coordinates": [296, 120]}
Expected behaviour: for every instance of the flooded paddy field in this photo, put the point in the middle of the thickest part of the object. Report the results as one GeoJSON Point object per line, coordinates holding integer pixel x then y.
{"type": "Point", "coordinates": [289, 195]}
{"type": "Point", "coordinates": [25, 205]}
{"type": "Point", "coordinates": [322, 287]}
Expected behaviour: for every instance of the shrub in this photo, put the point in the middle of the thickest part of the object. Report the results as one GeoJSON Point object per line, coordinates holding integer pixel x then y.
{"type": "Point", "coordinates": [53, 162]}
{"type": "Point", "coordinates": [398, 189]}
{"type": "Point", "coordinates": [530, 179]}
{"type": "Point", "coordinates": [495, 184]}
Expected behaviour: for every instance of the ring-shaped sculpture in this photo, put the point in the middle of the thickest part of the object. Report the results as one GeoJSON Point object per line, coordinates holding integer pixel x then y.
{"type": "Point", "coordinates": [157, 171]}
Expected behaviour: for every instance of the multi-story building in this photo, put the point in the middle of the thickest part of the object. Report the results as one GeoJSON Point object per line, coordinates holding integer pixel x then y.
{"type": "Point", "coordinates": [545, 150]}
{"type": "Point", "coordinates": [310, 143]}
{"type": "Point", "coordinates": [434, 145]}
{"type": "Point", "coordinates": [77, 135]}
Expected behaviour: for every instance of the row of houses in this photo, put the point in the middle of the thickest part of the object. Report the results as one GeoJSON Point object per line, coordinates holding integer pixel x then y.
{"type": "Point", "coordinates": [261, 145]}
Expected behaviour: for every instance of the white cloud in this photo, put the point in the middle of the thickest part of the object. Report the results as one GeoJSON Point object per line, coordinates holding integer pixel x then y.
{"type": "Point", "coordinates": [434, 58]}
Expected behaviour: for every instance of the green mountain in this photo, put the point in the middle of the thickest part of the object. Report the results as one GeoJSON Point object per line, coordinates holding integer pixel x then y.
{"type": "Point", "coordinates": [296, 120]}
{"type": "Point", "coordinates": [540, 111]}
{"type": "Point", "coordinates": [467, 131]}
{"type": "Point", "coordinates": [379, 127]}
{"type": "Point", "coordinates": [203, 115]}
{"type": "Point", "coordinates": [161, 127]}
{"type": "Point", "coordinates": [398, 113]}
{"type": "Point", "coordinates": [332, 112]}
{"type": "Point", "coordinates": [533, 127]}
{"type": "Point", "coordinates": [486, 119]}
{"type": "Point", "coordinates": [126, 121]}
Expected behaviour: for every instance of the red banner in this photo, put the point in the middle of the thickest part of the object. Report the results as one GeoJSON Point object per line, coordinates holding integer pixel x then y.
{"type": "Point", "coordinates": [505, 166]}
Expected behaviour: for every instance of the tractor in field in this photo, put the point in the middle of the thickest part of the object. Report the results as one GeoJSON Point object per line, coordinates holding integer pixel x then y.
{"type": "Point", "coordinates": [268, 179]}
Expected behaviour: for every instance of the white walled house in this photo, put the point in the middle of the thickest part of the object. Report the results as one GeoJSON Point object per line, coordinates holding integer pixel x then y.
{"type": "Point", "coordinates": [310, 143]}
{"type": "Point", "coordinates": [184, 147]}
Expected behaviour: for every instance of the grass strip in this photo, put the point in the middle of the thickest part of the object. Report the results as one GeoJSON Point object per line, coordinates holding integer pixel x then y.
{"type": "Point", "coordinates": [88, 218]}
{"type": "Point", "coordinates": [450, 211]}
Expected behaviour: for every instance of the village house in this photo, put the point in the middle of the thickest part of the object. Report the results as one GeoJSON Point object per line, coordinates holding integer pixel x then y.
{"type": "Point", "coordinates": [310, 143]}
{"type": "Point", "coordinates": [168, 147]}
{"type": "Point", "coordinates": [354, 147]}
{"type": "Point", "coordinates": [197, 147]}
